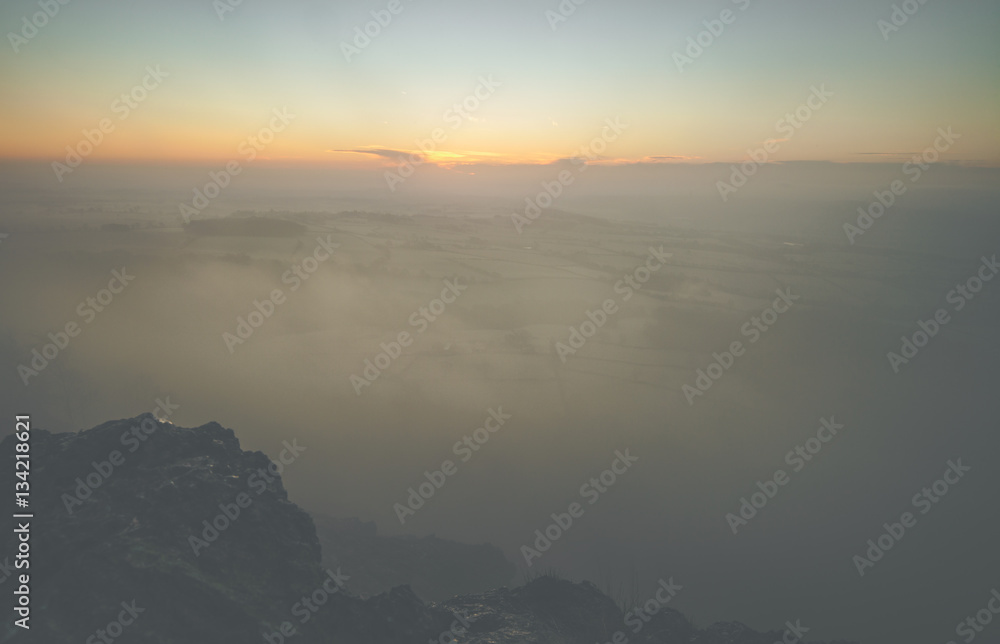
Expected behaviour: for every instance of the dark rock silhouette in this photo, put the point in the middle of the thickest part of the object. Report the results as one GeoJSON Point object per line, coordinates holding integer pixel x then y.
{"type": "Point", "coordinates": [130, 539]}
{"type": "Point", "coordinates": [199, 537]}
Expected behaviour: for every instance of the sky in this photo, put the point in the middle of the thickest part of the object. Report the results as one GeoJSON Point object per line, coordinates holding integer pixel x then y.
{"type": "Point", "coordinates": [555, 82]}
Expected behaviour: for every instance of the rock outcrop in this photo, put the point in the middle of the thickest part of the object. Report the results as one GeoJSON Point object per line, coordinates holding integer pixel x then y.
{"type": "Point", "coordinates": [191, 540]}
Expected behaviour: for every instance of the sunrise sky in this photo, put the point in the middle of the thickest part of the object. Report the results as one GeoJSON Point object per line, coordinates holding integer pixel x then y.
{"type": "Point", "coordinates": [557, 87]}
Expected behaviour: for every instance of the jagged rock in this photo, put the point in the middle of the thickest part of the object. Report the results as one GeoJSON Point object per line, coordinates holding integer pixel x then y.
{"type": "Point", "coordinates": [113, 525]}
{"type": "Point", "coordinates": [130, 539]}
{"type": "Point", "coordinates": [545, 611]}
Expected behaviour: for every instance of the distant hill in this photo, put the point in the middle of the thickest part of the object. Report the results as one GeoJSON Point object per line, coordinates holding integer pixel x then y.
{"type": "Point", "coordinates": [239, 227]}
{"type": "Point", "coordinates": [434, 568]}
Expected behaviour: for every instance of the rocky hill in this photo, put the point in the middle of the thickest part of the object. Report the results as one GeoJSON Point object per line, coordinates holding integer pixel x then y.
{"type": "Point", "coordinates": [181, 537]}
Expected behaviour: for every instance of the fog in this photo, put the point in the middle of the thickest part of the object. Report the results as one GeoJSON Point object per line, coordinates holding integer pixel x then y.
{"type": "Point", "coordinates": [502, 343]}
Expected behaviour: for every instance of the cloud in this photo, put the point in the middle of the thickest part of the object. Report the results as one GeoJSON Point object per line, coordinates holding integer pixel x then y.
{"type": "Point", "coordinates": [386, 153]}
{"type": "Point", "coordinates": [671, 158]}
